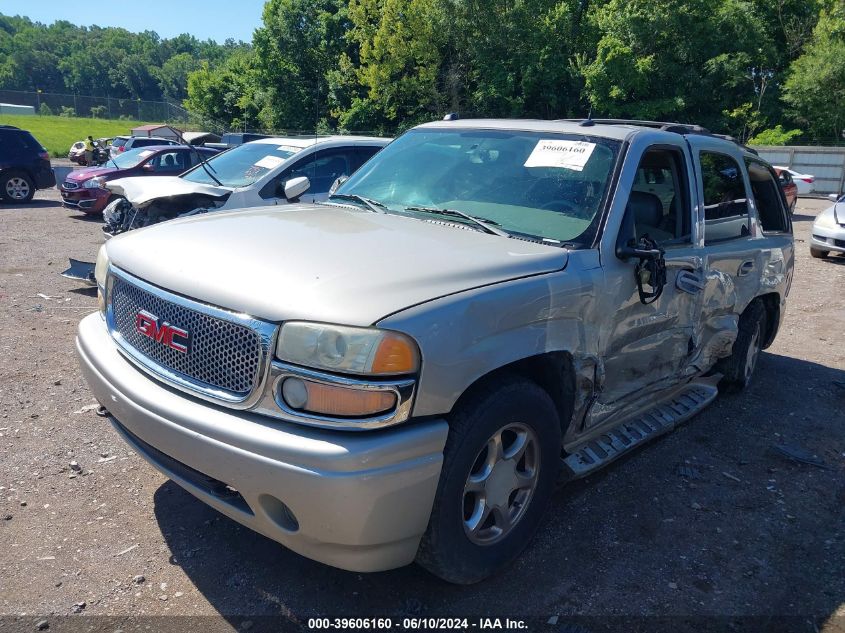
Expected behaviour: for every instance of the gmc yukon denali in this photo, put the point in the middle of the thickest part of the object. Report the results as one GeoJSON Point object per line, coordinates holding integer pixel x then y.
{"type": "Point", "coordinates": [405, 371]}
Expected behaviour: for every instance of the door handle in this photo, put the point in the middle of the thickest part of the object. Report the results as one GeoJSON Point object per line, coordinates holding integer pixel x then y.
{"type": "Point", "coordinates": [689, 282]}
{"type": "Point", "coordinates": [745, 268]}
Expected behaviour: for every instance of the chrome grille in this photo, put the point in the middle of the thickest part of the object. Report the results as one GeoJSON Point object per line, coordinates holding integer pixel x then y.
{"type": "Point", "coordinates": [222, 355]}
{"type": "Point", "coordinates": [71, 185]}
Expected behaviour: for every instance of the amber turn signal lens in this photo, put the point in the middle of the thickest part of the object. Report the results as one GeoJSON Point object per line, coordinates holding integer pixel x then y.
{"type": "Point", "coordinates": [336, 401]}
{"type": "Point", "coordinates": [394, 355]}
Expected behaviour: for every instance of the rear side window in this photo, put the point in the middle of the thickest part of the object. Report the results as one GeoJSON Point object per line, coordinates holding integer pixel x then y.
{"type": "Point", "coordinates": [725, 199]}
{"type": "Point", "coordinates": [118, 142]}
{"type": "Point", "coordinates": [768, 196]}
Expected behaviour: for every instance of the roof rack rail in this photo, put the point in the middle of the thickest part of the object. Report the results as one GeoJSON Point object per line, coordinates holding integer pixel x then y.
{"type": "Point", "coordinates": [665, 126]}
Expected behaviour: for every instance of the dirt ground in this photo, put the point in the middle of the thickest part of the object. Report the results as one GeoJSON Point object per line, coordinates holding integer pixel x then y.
{"type": "Point", "coordinates": [710, 525]}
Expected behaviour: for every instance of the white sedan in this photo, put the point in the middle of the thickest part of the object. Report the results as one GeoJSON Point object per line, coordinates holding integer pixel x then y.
{"type": "Point", "coordinates": [804, 182]}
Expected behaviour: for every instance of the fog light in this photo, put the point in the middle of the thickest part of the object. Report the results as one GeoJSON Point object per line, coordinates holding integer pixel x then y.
{"type": "Point", "coordinates": [295, 393]}
{"type": "Point", "coordinates": [332, 400]}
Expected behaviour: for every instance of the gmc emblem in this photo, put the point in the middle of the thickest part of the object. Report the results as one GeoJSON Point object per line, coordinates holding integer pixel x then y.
{"type": "Point", "coordinates": [166, 334]}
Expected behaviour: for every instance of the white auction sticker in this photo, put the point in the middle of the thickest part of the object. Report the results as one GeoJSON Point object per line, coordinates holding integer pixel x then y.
{"type": "Point", "coordinates": [566, 154]}
{"type": "Point", "coordinates": [269, 161]}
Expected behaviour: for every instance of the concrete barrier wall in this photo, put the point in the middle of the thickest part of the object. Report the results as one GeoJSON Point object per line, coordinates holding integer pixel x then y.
{"type": "Point", "coordinates": [827, 164]}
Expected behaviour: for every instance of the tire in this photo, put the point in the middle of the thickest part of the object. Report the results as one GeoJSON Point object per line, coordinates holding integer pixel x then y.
{"type": "Point", "coordinates": [738, 368]}
{"type": "Point", "coordinates": [16, 186]}
{"type": "Point", "coordinates": [517, 410]}
{"type": "Point", "coordinates": [818, 253]}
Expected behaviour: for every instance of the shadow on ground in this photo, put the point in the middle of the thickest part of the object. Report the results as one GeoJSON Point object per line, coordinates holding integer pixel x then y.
{"type": "Point", "coordinates": [23, 206]}
{"type": "Point", "coordinates": [710, 520]}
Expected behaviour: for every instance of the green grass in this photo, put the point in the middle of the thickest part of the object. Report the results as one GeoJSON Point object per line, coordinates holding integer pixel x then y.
{"type": "Point", "coordinates": [58, 133]}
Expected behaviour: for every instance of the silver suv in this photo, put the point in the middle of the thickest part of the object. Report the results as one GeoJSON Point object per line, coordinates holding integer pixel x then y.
{"type": "Point", "coordinates": [405, 371]}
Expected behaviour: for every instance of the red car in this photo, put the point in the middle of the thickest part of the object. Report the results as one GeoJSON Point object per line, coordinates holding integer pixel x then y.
{"type": "Point", "coordinates": [82, 188]}
{"type": "Point", "coordinates": [790, 189]}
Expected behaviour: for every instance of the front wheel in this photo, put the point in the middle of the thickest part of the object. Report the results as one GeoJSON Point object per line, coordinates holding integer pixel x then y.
{"type": "Point", "coordinates": [818, 253]}
{"type": "Point", "coordinates": [500, 466]}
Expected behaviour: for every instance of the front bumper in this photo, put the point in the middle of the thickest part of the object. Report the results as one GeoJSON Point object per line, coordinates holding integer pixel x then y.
{"type": "Point", "coordinates": [828, 239]}
{"type": "Point", "coordinates": [86, 200]}
{"type": "Point", "coordinates": [358, 501]}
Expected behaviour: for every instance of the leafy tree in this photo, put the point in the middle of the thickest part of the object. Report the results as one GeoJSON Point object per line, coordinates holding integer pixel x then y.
{"type": "Point", "coordinates": [775, 136]}
{"type": "Point", "coordinates": [227, 94]}
{"type": "Point", "coordinates": [676, 59]}
{"type": "Point", "coordinates": [173, 76]}
{"type": "Point", "coordinates": [815, 86]}
{"type": "Point", "coordinates": [300, 43]}
{"type": "Point", "coordinates": [400, 46]}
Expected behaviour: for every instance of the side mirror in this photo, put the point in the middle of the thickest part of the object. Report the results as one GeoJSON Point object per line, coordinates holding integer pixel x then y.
{"type": "Point", "coordinates": [148, 167]}
{"type": "Point", "coordinates": [833, 197]}
{"type": "Point", "coordinates": [337, 183]}
{"type": "Point", "coordinates": [295, 187]}
{"type": "Point", "coordinates": [650, 271]}
{"type": "Point", "coordinates": [626, 243]}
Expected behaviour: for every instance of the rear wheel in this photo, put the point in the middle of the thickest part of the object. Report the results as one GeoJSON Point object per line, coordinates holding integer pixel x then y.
{"type": "Point", "coordinates": [738, 368]}
{"type": "Point", "coordinates": [16, 186]}
{"type": "Point", "coordinates": [818, 253]}
{"type": "Point", "coordinates": [500, 466]}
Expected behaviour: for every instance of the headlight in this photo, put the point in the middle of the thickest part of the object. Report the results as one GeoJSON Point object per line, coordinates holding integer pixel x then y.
{"type": "Point", "coordinates": [345, 349]}
{"type": "Point", "coordinates": [101, 270]}
{"type": "Point", "coordinates": [93, 183]}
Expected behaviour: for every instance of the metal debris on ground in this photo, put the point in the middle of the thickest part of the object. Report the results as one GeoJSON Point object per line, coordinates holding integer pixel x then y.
{"type": "Point", "coordinates": [685, 470]}
{"type": "Point", "coordinates": [798, 454]}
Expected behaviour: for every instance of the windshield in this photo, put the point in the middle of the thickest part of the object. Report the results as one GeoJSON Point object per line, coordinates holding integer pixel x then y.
{"type": "Point", "coordinates": [537, 184]}
{"type": "Point", "coordinates": [242, 165]}
{"type": "Point", "coordinates": [130, 158]}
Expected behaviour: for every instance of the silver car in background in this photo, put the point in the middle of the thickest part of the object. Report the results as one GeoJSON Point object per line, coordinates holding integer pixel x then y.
{"type": "Point", "coordinates": [828, 234]}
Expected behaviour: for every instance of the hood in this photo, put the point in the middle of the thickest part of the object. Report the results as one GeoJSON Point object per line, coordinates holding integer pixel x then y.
{"type": "Point", "coordinates": [322, 263]}
{"type": "Point", "coordinates": [832, 216]}
{"type": "Point", "coordinates": [140, 191]}
{"type": "Point", "coordinates": [81, 175]}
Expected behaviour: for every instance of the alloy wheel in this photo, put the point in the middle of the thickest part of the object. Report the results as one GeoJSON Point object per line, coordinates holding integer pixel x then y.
{"type": "Point", "coordinates": [500, 484]}
{"type": "Point", "coordinates": [17, 188]}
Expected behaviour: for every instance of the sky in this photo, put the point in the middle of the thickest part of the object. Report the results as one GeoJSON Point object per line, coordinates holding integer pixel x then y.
{"type": "Point", "coordinates": [204, 19]}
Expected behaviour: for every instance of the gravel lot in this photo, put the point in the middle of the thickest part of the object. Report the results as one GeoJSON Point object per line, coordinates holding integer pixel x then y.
{"type": "Point", "coordinates": [708, 521]}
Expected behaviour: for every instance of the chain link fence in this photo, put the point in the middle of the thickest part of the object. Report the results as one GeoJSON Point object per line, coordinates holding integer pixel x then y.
{"type": "Point", "coordinates": [51, 103]}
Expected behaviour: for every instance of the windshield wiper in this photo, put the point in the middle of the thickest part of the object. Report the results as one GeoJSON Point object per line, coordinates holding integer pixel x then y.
{"type": "Point", "coordinates": [484, 223]}
{"type": "Point", "coordinates": [373, 205]}
{"type": "Point", "coordinates": [205, 166]}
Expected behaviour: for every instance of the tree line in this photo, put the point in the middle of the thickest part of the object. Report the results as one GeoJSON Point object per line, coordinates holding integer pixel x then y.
{"type": "Point", "coordinates": [772, 69]}
{"type": "Point", "coordinates": [102, 62]}
{"type": "Point", "coordinates": [767, 70]}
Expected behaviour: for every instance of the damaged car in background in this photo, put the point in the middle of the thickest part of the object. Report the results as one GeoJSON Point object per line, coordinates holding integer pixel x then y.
{"type": "Point", "coordinates": [405, 371]}
{"type": "Point", "coordinates": [268, 171]}
{"type": "Point", "coordinates": [258, 173]}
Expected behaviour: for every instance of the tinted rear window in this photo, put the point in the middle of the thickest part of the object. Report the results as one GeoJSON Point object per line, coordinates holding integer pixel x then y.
{"type": "Point", "coordinates": [118, 142]}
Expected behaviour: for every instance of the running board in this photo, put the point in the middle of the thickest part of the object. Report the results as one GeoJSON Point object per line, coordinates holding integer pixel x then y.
{"type": "Point", "coordinates": [636, 431]}
{"type": "Point", "coordinates": [80, 271]}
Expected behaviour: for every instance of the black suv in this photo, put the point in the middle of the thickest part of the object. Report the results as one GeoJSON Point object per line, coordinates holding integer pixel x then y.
{"type": "Point", "coordinates": [24, 165]}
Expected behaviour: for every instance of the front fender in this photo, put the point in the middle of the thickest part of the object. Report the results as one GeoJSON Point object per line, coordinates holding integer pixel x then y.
{"type": "Point", "coordinates": [465, 336]}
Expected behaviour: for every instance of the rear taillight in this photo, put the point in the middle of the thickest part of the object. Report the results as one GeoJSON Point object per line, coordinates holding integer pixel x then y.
{"type": "Point", "coordinates": [810, 180]}
{"type": "Point", "coordinates": [44, 155]}
{"type": "Point", "coordinates": [121, 148]}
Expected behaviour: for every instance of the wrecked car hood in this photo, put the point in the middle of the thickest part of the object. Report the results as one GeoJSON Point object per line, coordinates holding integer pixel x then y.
{"type": "Point", "coordinates": [323, 263]}
{"type": "Point", "coordinates": [142, 190]}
